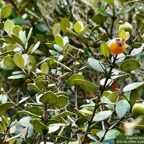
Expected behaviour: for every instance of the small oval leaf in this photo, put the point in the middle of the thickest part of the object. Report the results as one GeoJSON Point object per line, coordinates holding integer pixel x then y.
{"type": "Point", "coordinates": [6, 11]}
{"type": "Point", "coordinates": [132, 86]}
{"type": "Point", "coordinates": [85, 85]}
{"type": "Point", "coordinates": [64, 24]}
{"type": "Point", "coordinates": [100, 116]}
{"type": "Point", "coordinates": [72, 80]}
{"type": "Point", "coordinates": [34, 87]}
{"type": "Point", "coordinates": [129, 65]}
{"type": "Point", "coordinates": [8, 61]}
{"type": "Point", "coordinates": [96, 65]}
{"type": "Point", "coordinates": [59, 40]}
{"type": "Point", "coordinates": [48, 98]}
{"type": "Point", "coordinates": [40, 127]}
{"type": "Point", "coordinates": [19, 60]}
{"type": "Point", "coordinates": [8, 26]}
{"type": "Point", "coordinates": [62, 101]}
{"type": "Point", "coordinates": [122, 107]}
{"type": "Point", "coordinates": [78, 26]}
{"type": "Point", "coordinates": [105, 49]}
{"type": "Point", "coordinates": [44, 67]}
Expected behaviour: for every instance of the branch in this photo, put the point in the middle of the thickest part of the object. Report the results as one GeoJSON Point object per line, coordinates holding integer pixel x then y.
{"type": "Point", "coordinates": [101, 92]}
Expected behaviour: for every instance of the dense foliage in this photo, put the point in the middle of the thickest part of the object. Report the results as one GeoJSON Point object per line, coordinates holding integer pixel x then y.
{"type": "Point", "coordinates": [59, 82]}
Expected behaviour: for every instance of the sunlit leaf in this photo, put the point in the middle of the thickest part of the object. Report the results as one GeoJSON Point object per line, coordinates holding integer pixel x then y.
{"type": "Point", "coordinates": [6, 11]}
{"type": "Point", "coordinates": [105, 49]}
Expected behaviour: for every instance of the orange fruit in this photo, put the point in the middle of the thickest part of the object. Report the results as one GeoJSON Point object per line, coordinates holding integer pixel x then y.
{"type": "Point", "coordinates": [117, 46]}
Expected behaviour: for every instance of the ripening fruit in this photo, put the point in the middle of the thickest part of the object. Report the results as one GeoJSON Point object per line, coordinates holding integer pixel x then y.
{"type": "Point", "coordinates": [125, 26]}
{"type": "Point", "coordinates": [138, 109]}
{"type": "Point", "coordinates": [117, 46]}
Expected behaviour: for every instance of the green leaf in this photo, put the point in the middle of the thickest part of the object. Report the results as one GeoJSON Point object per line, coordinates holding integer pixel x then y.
{"type": "Point", "coordinates": [100, 116]}
{"type": "Point", "coordinates": [62, 101]}
{"type": "Point", "coordinates": [18, 76]}
{"type": "Point", "coordinates": [8, 61]}
{"type": "Point", "coordinates": [107, 102]}
{"type": "Point", "coordinates": [82, 118]}
{"type": "Point", "coordinates": [122, 34]}
{"type": "Point", "coordinates": [23, 100]}
{"type": "Point", "coordinates": [40, 127]}
{"type": "Point", "coordinates": [31, 64]}
{"type": "Point", "coordinates": [3, 66]}
{"type": "Point", "coordinates": [85, 29]}
{"type": "Point", "coordinates": [42, 27]}
{"type": "Point", "coordinates": [132, 86]}
{"type": "Point", "coordinates": [28, 113]}
{"type": "Point", "coordinates": [105, 49]}
{"type": "Point", "coordinates": [111, 2]}
{"type": "Point", "coordinates": [72, 80]}
{"type": "Point", "coordinates": [63, 114]}
{"type": "Point", "coordinates": [25, 121]}
{"type": "Point", "coordinates": [44, 67]}
{"type": "Point", "coordinates": [122, 107]}
{"type": "Point", "coordinates": [54, 53]}
{"type": "Point", "coordinates": [48, 98]}
{"type": "Point", "coordinates": [22, 36]}
{"type": "Point", "coordinates": [120, 58]}
{"type": "Point", "coordinates": [128, 9]}
{"type": "Point", "coordinates": [33, 48]}
{"type": "Point", "coordinates": [6, 11]}
{"type": "Point", "coordinates": [96, 65]}
{"type": "Point", "coordinates": [56, 29]}
{"type": "Point", "coordinates": [52, 63]}
{"type": "Point", "coordinates": [36, 110]}
{"type": "Point", "coordinates": [16, 29]}
{"type": "Point", "coordinates": [29, 34]}
{"type": "Point", "coordinates": [102, 12]}
{"type": "Point", "coordinates": [4, 107]}
{"type": "Point", "coordinates": [136, 51]}
{"type": "Point", "coordinates": [64, 24]}
{"type": "Point", "coordinates": [34, 87]}
{"type": "Point", "coordinates": [129, 65]}
{"type": "Point", "coordinates": [85, 85]}
{"type": "Point", "coordinates": [113, 96]}
{"type": "Point", "coordinates": [111, 134]}
{"type": "Point", "coordinates": [120, 76]}
{"type": "Point", "coordinates": [64, 66]}
{"type": "Point", "coordinates": [99, 19]}
{"type": "Point", "coordinates": [54, 127]}
{"type": "Point", "coordinates": [19, 60]}
{"type": "Point", "coordinates": [78, 26]}
{"type": "Point", "coordinates": [26, 132]}
{"type": "Point", "coordinates": [16, 39]}
{"type": "Point", "coordinates": [25, 57]}
{"type": "Point", "coordinates": [8, 26]}
{"type": "Point", "coordinates": [134, 96]}
{"type": "Point", "coordinates": [59, 40]}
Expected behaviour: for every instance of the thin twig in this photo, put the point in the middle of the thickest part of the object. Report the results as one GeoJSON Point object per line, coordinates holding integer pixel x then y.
{"type": "Point", "coordinates": [70, 9]}
{"type": "Point", "coordinates": [113, 20]}
{"type": "Point", "coordinates": [91, 120]}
